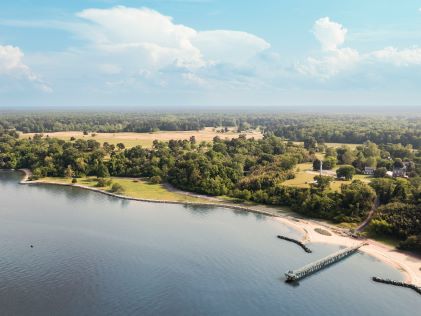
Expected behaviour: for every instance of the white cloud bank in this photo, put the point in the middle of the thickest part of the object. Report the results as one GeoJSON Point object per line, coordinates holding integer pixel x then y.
{"type": "Point", "coordinates": [159, 42]}
{"type": "Point", "coordinates": [12, 66]}
{"type": "Point", "coordinates": [334, 60]}
{"type": "Point", "coordinates": [132, 51]}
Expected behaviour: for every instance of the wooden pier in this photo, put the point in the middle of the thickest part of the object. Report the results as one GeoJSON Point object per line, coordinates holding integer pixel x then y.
{"type": "Point", "coordinates": [294, 275]}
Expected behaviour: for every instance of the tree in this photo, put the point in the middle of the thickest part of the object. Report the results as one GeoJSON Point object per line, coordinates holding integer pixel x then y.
{"type": "Point", "coordinates": [69, 173]}
{"type": "Point", "coordinates": [322, 182]}
{"type": "Point", "coordinates": [310, 143]}
{"type": "Point", "coordinates": [328, 163]}
{"type": "Point", "coordinates": [346, 172]}
{"type": "Point", "coordinates": [120, 146]}
{"type": "Point", "coordinates": [398, 163]}
{"type": "Point", "coordinates": [380, 172]}
{"type": "Point", "coordinates": [330, 152]}
{"type": "Point", "coordinates": [102, 171]}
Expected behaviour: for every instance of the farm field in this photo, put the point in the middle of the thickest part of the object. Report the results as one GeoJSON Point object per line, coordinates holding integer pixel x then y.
{"type": "Point", "coordinates": [146, 139]}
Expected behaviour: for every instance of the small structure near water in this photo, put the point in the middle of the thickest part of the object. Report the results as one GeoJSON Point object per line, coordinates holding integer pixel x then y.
{"type": "Point", "coordinates": [299, 243]}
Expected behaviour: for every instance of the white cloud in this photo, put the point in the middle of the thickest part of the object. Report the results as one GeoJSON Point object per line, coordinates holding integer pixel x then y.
{"type": "Point", "coordinates": [330, 34]}
{"type": "Point", "coordinates": [12, 65]}
{"type": "Point", "coordinates": [155, 40]}
{"type": "Point", "coordinates": [333, 59]}
{"type": "Point", "coordinates": [229, 46]}
{"type": "Point", "coordinates": [392, 55]}
{"type": "Point", "coordinates": [330, 65]}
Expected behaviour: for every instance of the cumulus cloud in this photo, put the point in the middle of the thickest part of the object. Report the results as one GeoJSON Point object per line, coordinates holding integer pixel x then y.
{"type": "Point", "coordinates": [158, 41]}
{"type": "Point", "coordinates": [330, 34]}
{"type": "Point", "coordinates": [12, 66]}
{"type": "Point", "coordinates": [333, 59]}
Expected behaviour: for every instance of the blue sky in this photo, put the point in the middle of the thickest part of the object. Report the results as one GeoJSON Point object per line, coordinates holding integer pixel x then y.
{"type": "Point", "coordinates": [209, 53]}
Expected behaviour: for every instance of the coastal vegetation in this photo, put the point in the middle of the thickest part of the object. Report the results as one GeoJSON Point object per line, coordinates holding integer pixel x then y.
{"type": "Point", "coordinates": [271, 170]}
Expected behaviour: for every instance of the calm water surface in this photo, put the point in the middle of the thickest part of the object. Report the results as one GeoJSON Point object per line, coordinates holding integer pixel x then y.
{"type": "Point", "coordinates": [97, 255]}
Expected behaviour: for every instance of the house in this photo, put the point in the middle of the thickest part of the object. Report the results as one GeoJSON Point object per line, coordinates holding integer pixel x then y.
{"type": "Point", "coordinates": [369, 170]}
{"type": "Point", "coordinates": [399, 172]}
{"type": "Point", "coordinates": [389, 173]}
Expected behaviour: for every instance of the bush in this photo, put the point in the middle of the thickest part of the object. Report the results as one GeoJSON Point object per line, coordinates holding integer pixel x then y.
{"type": "Point", "coordinates": [413, 242]}
{"type": "Point", "coordinates": [102, 182]}
{"type": "Point", "coordinates": [74, 180]}
{"type": "Point", "coordinates": [380, 172]}
{"type": "Point", "coordinates": [117, 188]}
{"type": "Point", "coordinates": [156, 179]}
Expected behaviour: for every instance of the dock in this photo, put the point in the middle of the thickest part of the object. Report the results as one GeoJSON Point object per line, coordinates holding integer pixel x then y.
{"type": "Point", "coordinates": [294, 275]}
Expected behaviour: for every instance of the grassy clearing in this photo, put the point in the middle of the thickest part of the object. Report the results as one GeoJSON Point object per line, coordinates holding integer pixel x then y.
{"type": "Point", "coordinates": [134, 188]}
{"type": "Point", "coordinates": [335, 145]}
{"type": "Point", "coordinates": [146, 139]}
{"type": "Point", "coordinates": [304, 176]}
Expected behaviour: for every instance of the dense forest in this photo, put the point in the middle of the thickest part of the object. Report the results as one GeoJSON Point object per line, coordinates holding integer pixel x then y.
{"type": "Point", "coordinates": [296, 127]}
{"type": "Point", "coordinates": [247, 169]}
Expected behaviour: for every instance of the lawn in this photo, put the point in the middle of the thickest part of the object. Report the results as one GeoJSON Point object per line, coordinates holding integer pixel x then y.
{"type": "Point", "coordinates": [146, 139]}
{"type": "Point", "coordinates": [134, 188]}
{"type": "Point", "coordinates": [304, 177]}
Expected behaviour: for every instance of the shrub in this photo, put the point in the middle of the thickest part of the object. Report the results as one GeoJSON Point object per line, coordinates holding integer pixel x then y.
{"type": "Point", "coordinates": [156, 179]}
{"type": "Point", "coordinates": [380, 172]}
{"type": "Point", "coordinates": [74, 180]}
{"type": "Point", "coordinates": [102, 182]}
{"type": "Point", "coordinates": [117, 188]}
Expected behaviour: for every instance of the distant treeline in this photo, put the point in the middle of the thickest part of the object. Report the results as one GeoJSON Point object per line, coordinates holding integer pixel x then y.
{"type": "Point", "coordinates": [295, 127]}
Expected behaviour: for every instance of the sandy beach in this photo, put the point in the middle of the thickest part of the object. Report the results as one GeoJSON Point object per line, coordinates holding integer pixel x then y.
{"type": "Point", "coordinates": [408, 264]}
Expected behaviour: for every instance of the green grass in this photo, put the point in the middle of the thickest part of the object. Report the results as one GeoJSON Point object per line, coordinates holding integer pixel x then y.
{"type": "Point", "coordinates": [303, 178]}
{"type": "Point", "coordinates": [134, 188]}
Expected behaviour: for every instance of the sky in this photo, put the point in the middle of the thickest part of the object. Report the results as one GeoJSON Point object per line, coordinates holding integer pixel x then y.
{"type": "Point", "coordinates": [204, 53]}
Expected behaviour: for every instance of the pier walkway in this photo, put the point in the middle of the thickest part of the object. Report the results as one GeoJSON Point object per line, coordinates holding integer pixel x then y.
{"type": "Point", "coordinates": [294, 275]}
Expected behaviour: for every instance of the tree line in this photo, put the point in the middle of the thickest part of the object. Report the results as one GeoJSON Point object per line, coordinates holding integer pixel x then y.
{"type": "Point", "coordinates": [323, 128]}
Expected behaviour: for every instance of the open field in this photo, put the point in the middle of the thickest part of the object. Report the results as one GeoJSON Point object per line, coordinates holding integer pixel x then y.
{"type": "Point", "coordinates": [334, 145]}
{"type": "Point", "coordinates": [133, 188]}
{"type": "Point", "coordinates": [146, 139]}
{"type": "Point", "coordinates": [305, 176]}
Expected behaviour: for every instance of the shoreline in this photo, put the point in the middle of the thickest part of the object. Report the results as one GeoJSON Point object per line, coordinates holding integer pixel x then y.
{"type": "Point", "coordinates": [406, 263]}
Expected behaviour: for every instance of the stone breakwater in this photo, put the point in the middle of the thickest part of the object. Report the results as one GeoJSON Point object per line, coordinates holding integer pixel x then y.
{"type": "Point", "coordinates": [397, 283]}
{"type": "Point", "coordinates": [299, 243]}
